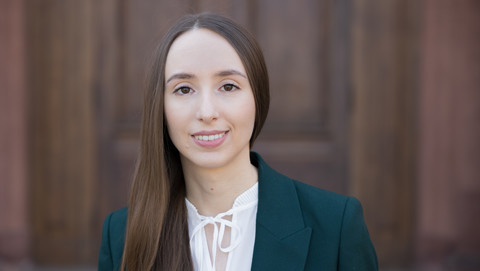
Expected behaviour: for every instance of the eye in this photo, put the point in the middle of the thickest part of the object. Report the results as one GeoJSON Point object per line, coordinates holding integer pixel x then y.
{"type": "Point", "coordinates": [229, 87]}
{"type": "Point", "coordinates": [183, 90]}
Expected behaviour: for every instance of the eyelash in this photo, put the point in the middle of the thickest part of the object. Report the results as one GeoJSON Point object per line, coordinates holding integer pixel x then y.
{"type": "Point", "coordinates": [234, 87]}
{"type": "Point", "coordinates": [179, 89]}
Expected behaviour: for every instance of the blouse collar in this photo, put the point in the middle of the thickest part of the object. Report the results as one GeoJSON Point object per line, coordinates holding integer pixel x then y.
{"type": "Point", "coordinates": [197, 222]}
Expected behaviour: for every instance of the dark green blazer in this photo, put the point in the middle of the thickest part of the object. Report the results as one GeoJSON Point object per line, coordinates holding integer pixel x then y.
{"type": "Point", "coordinates": [299, 227]}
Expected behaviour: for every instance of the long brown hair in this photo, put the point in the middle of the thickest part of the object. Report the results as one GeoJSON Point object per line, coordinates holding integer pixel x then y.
{"type": "Point", "coordinates": [157, 228]}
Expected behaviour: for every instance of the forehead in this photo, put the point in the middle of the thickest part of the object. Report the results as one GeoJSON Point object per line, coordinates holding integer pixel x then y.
{"type": "Point", "coordinates": [202, 50]}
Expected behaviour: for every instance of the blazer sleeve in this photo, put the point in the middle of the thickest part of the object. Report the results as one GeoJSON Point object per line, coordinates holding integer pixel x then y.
{"type": "Point", "coordinates": [356, 248]}
{"type": "Point", "coordinates": [105, 260]}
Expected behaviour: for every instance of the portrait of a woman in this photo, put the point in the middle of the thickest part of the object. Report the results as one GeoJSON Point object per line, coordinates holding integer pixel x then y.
{"type": "Point", "coordinates": [201, 199]}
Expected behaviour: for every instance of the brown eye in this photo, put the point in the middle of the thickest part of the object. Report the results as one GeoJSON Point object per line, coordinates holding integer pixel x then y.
{"type": "Point", "coordinates": [183, 90]}
{"type": "Point", "coordinates": [229, 87]}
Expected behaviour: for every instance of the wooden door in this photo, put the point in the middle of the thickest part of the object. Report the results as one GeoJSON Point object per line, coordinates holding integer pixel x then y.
{"type": "Point", "coordinates": [88, 61]}
{"type": "Point", "coordinates": [304, 43]}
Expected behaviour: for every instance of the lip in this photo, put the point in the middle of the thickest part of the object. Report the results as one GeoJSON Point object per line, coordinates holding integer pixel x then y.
{"type": "Point", "coordinates": [211, 132]}
{"type": "Point", "coordinates": [210, 143]}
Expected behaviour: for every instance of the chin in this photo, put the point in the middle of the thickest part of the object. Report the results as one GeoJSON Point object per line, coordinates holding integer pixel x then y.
{"type": "Point", "coordinates": [212, 160]}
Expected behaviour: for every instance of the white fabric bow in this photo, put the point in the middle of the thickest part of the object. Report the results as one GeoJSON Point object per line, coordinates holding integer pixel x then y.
{"type": "Point", "coordinates": [218, 234]}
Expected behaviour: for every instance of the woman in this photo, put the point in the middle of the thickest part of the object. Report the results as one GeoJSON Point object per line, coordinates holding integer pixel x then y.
{"type": "Point", "coordinates": [200, 200]}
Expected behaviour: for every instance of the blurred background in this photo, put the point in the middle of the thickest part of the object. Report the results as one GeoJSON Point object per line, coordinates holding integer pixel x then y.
{"type": "Point", "coordinates": [379, 99]}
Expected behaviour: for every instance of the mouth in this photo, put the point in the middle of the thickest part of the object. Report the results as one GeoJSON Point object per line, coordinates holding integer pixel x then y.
{"type": "Point", "coordinates": [204, 136]}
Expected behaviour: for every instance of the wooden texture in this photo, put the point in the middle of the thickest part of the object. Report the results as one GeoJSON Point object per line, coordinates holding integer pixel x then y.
{"type": "Point", "coordinates": [13, 137]}
{"type": "Point", "coordinates": [449, 146]}
{"type": "Point", "coordinates": [305, 45]}
{"type": "Point", "coordinates": [305, 134]}
{"type": "Point", "coordinates": [62, 115]}
{"type": "Point", "coordinates": [384, 82]}
{"type": "Point", "coordinates": [126, 35]}
{"type": "Point", "coordinates": [87, 62]}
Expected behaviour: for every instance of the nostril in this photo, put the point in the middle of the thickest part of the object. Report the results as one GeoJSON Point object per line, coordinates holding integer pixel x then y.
{"type": "Point", "coordinates": [207, 110]}
{"type": "Point", "coordinates": [208, 115]}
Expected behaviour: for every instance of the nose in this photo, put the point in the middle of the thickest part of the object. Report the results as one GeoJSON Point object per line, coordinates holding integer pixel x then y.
{"type": "Point", "coordinates": [207, 108]}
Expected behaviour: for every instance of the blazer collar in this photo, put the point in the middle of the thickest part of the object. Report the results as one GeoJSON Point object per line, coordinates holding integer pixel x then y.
{"type": "Point", "coordinates": [282, 240]}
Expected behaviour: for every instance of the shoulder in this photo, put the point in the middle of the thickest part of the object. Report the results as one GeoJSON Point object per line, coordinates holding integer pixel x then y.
{"type": "Point", "coordinates": [337, 222]}
{"type": "Point", "coordinates": [317, 207]}
{"type": "Point", "coordinates": [113, 239]}
{"type": "Point", "coordinates": [320, 206]}
{"type": "Point", "coordinates": [339, 238]}
{"type": "Point", "coordinates": [118, 219]}
{"type": "Point", "coordinates": [311, 195]}
{"type": "Point", "coordinates": [117, 223]}
{"type": "Point", "coordinates": [278, 188]}
{"type": "Point", "coordinates": [341, 220]}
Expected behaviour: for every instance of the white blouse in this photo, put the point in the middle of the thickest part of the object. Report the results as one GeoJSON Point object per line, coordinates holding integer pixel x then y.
{"type": "Point", "coordinates": [242, 239]}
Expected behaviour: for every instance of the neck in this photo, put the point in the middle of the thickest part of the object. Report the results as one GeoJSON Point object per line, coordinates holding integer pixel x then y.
{"type": "Point", "coordinates": [213, 190]}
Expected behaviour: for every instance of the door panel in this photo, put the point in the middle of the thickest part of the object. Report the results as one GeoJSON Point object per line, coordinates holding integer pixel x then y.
{"type": "Point", "coordinates": [304, 135]}
{"type": "Point", "coordinates": [305, 131]}
{"type": "Point", "coordinates": [88, 61]}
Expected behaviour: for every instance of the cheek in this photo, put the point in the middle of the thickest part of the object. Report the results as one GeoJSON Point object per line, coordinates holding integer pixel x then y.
{"type": "Point", "coordinates": [247, 109]}
{"type": "Point", "coordinates": [173, 118]}
{"type": "Point", "coordinates": [252, 114]}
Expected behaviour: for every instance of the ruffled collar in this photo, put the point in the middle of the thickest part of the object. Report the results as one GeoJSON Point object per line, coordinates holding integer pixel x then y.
{"type": "Point", "coordinates": [197, 223]}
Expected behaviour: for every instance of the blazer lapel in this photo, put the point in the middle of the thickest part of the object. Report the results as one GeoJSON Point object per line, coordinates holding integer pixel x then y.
{"type": "Point", "coordinates": [281, 238]}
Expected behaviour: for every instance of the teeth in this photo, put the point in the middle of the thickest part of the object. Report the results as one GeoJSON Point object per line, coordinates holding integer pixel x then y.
{"type": "Point", "coordinates": [209, 137]}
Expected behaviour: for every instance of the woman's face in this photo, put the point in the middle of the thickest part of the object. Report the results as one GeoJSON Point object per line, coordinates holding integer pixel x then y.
{"type": "Point", "coordinates": [209, 104]}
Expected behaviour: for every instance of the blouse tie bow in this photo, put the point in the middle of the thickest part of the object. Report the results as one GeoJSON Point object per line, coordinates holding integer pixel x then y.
{"type": "Point", "coordinates": [219, 224]}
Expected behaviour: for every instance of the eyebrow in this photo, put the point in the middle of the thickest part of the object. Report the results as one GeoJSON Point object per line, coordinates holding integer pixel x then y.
{"type": "Point", "coordinates": [229, 72]}
{"type": "Point", "coordinates": [180, 76]}
{"type": "Point", "coordinates": [218, 74]}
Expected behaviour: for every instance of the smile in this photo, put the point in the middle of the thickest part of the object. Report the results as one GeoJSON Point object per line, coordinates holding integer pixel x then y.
{"type": "Point", "coordinates": [209, 137]}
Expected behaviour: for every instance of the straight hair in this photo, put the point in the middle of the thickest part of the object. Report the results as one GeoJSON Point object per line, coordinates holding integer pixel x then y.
{"type": "Point", "coordinates": [157, 224]}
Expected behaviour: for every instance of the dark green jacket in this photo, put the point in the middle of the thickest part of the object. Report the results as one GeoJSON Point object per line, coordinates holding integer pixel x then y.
{"type": "Point", "coordinates": [299, 227]}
